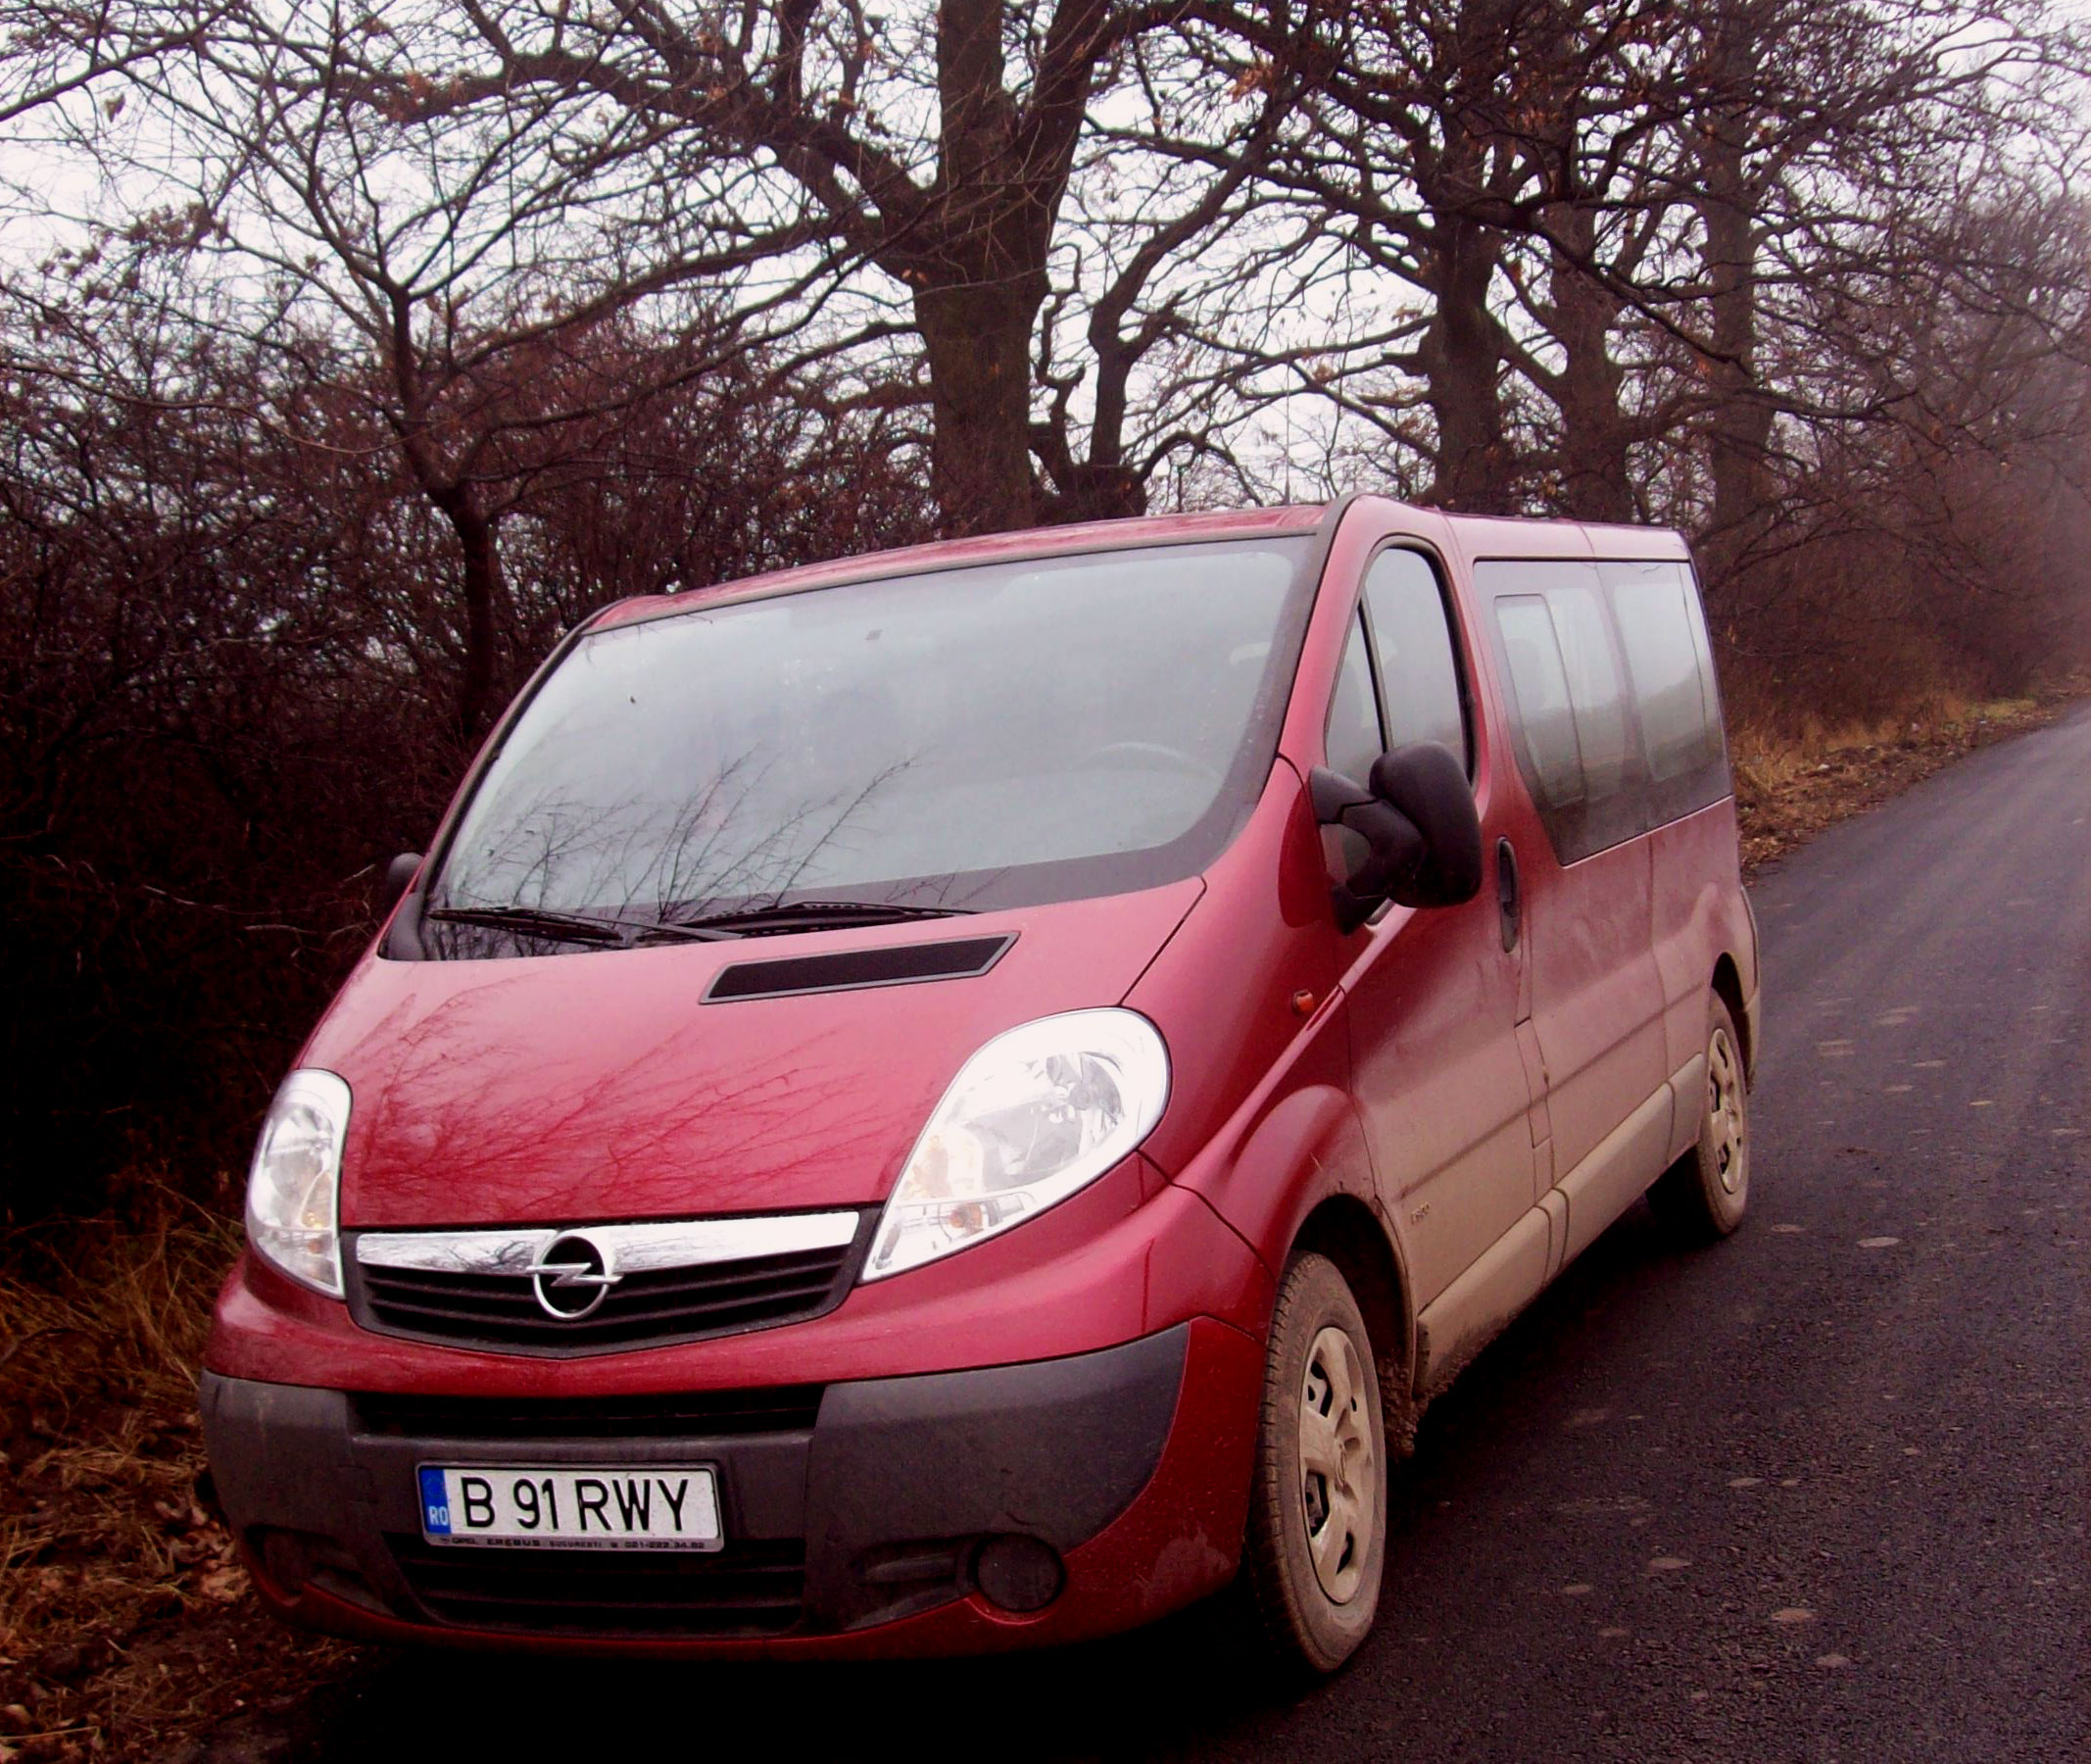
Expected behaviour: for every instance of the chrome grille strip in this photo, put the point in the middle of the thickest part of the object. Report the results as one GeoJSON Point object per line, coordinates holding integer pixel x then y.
{"type": "Point", "coordinates": [630, 1248]}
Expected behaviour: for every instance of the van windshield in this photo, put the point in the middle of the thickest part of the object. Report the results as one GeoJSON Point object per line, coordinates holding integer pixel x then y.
{"type": "Point", "coordinates": [967, 739]}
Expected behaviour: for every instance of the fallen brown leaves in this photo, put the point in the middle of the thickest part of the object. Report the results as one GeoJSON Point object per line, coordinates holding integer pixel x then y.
{"type": "Point", "coordinates": [1788, 787]}
{"type": "Point", "coordinates": [126, 1624]}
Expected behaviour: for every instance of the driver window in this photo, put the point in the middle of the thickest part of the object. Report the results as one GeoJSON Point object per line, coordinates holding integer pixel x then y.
{"type": "Point", "coordinates": [1353, 738]}
{"type": "Point", "coordinates": [1412, 646]}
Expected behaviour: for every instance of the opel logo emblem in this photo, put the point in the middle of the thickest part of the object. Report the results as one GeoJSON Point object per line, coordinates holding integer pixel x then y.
{"type": "Point", "coordinates": [572, 1279]}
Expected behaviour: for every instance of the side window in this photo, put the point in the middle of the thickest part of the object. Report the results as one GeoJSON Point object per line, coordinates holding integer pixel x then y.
{"type": "Point", "coordinates": [1548, 750]}
{"type": "Point", "coordinates": [1664, 635]}
{"type": "Point", "coordinates": [1352, 738]}
{"type": "Point", "coordinates": [1664, 663]}
{"type": "Point", "coordinates": [1412, 643]}
{"type": "Point", "coordinates": [1709, 687]}
{"type": "Point", "coordinates": [1558, 649]}
{"type": "Point", "coordinates": [1594, 687]}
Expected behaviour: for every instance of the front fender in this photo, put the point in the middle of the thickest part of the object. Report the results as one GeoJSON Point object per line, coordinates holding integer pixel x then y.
{"type": "Point", "coordinates": [1295, 1144]}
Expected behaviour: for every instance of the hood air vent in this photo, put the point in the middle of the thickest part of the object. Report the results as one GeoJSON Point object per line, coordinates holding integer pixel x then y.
{"type": "Point", "coordinates": [851, 970]}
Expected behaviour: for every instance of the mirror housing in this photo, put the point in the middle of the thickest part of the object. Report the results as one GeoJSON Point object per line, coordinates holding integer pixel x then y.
{"type": "Point", "coordinates": [398, 877]}
{"type": "Point", "coordinates": [1422, 835]}
{"type": "Point", "coordinates": [1428, 783]}
{"type": "Point", "coordinates": [1393, 847]}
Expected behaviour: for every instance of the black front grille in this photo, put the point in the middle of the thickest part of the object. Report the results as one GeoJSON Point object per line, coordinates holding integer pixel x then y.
{"type": "Point", "coordinates": [644, 1308]}
{"type": "Point", "coordinates": [750, 1587]}
{"type": "Point", "coordinates": [699, 1415]}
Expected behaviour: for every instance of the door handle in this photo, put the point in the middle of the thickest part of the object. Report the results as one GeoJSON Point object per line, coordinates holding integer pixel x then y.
{"type": "Point", "coordinates": [1508, 902]}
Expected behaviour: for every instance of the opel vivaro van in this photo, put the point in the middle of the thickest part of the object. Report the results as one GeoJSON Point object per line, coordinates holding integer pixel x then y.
{"type": "Point", "coordinates": [965, 1099]}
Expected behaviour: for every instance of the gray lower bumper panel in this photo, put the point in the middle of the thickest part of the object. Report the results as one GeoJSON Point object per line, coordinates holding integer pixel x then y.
{"type": "Point", "coordinates": [869, 1508]}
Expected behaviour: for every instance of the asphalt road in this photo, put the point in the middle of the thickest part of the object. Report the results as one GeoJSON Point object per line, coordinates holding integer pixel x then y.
{"type": "Point", "coordinates": [1819, 1493]}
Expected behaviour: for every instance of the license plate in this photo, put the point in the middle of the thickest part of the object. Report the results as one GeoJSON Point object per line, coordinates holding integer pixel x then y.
{"type": "Point", "coordinates": [645, 1507]}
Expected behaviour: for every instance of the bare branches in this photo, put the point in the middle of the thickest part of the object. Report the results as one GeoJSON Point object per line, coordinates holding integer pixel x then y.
{"type": "Point", "coordinates": [1624, 257]}
{"type": "Point", "coordinates": [50, 54]}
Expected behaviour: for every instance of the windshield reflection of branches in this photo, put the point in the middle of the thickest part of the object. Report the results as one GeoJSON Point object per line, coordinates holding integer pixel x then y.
{"type": "Point", "coordinates": [1020, 732]}
{"type": "Point", "coordinates": [653, 861]}
{"type": "Point", "coordinates": [803, 862]}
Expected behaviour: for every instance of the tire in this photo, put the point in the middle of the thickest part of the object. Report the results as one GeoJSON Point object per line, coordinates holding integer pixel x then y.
{"type": "Point", "coordinates": [1317, 1528]}
{"type": "Point", "coordinates": [1703, 1196]}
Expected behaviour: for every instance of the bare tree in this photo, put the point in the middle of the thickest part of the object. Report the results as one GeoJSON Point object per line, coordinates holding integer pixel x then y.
{"type": "Point", "coordinates": [481, 260]}
{"type": "Point", "coordinates": [939, 152]}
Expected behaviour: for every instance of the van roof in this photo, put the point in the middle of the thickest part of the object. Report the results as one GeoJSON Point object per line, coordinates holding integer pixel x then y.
{"type": "Point", "coordinates": [1479, 535]}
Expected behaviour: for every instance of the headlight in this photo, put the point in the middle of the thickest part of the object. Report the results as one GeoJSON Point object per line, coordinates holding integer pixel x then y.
{"type": "Point", "coordinates": [294, 1190]}
{"type": "Point", "coordinates": [1036, 1114]}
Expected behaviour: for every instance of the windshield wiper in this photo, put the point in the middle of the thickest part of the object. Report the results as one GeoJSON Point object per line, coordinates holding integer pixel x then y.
{"type": "Point", "coordinates": [570, 927]}
{"type": "Point", "coordinates": [746, 921]}
{"type": "Point", "coordinates": [800, 915]}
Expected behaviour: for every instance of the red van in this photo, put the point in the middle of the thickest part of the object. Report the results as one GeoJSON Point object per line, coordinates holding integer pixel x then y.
{"type": "Point", "coordinates": [966, 1098]}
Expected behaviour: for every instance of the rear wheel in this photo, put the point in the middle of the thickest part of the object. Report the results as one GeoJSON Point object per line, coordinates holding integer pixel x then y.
{"type": "Point", "coordinates": [1317, 1531]}
{"type": "Point", "coordinates": [1704, 1194]}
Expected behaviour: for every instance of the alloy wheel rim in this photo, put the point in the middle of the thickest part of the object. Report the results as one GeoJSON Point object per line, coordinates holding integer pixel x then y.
{"type": "Point", "coordinates": [1337, 1468]}
{"type": "Point", "coordinates": [1724, 1110]}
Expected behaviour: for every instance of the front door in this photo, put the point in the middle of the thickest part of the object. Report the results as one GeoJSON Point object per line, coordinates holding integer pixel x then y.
{"type": "Point", "coordinates": [1433, 994]}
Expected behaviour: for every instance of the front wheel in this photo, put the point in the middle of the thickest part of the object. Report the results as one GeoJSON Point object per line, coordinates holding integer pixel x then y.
{"type": "Point", "coordinates": [1703, 1196]}
{"type": "Point", "coordinates": [1317, 1531]}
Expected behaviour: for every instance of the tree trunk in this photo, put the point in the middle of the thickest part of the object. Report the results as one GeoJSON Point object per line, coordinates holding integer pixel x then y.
{"type": "Point", "coordinates": [1461, 361]}
{"type": "Point", "coordinates": [482, 589]}
{"type": "Point", "coordinates": [1741, 429]}
{"type": "Point", "coordinates": [1594, 481]}
{"type": "Point", "coordinates": [443, 483]}
{"type": "Point", "coordinates": [977, 336]}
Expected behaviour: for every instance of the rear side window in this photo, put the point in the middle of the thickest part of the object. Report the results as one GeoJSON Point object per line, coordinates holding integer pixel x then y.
{"type": "Point", "coordinates": [1548, 751]}
{"type": "Point", "coordinates": [1595, 689]}
{"type": "Point", "coordinates": [1612, 684]}
{"type": "Point", "coordinates": [1664, 636]}
{"type": "Point", "coordinates": [1412, 643]}
{"type": "Point", "coordinates": [1576, 739]}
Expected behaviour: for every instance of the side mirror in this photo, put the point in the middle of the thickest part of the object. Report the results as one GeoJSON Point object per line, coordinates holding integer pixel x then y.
{"type": "Point", "coordinates": [1428, 783]}
{"type": "Point", "coordinates": [1423, 838]}
{"type": "Point", "coordinates": [398, 878]}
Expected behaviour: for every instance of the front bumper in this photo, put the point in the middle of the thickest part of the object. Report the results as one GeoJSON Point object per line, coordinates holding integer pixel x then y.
{"type": "Point", "coordinates": [871, 1516]}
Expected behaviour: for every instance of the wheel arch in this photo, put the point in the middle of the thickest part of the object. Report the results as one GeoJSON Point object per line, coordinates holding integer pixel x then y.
{"type": "Point", "coordinates": [1728, 987]}
{"type": "Point", "coordinates": [1300, 1179]}
{"type": "Point", "coordinates": [1350, 1234]}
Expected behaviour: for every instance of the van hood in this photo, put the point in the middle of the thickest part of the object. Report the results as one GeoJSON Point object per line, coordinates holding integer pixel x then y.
{"type": "Point", "coordinates": [592, 1087]}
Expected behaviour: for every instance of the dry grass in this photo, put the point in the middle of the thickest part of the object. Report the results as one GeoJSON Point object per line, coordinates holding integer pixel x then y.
{"type": "Point", "coordinates": [124, 1619]}
{"type": "Point", "coordinates": [1793, 780]}
{"type": "Point", "coordinates": [1769, 756]}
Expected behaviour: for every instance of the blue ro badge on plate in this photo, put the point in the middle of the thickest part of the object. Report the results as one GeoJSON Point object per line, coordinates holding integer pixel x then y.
{"type": "Point", "coordinates": [435, 1504]}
